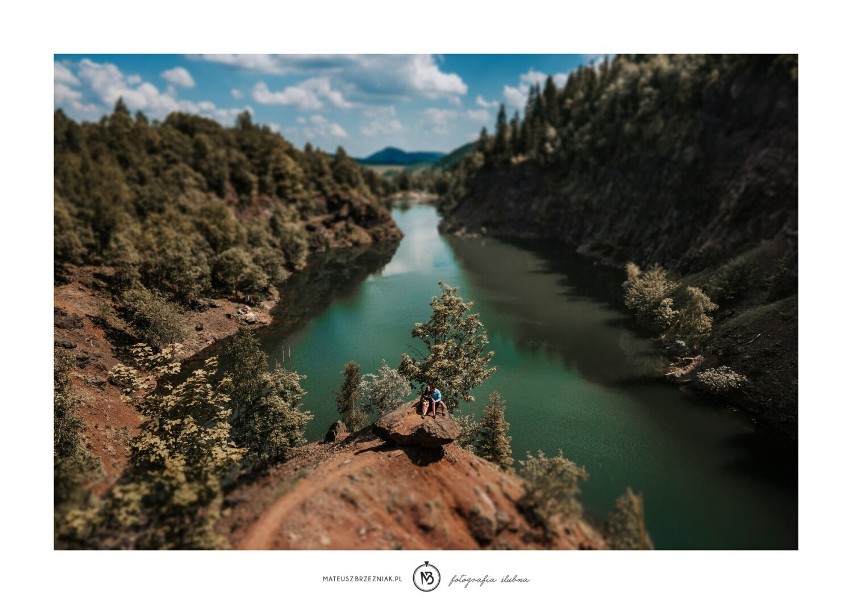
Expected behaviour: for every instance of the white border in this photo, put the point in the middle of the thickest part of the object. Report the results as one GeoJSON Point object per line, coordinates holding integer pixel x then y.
{"type": "Point", "coordinates": [31, 35]}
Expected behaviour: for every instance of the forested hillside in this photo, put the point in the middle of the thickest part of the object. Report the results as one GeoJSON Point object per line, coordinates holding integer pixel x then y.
{"type": "Point", "coordinates": [185, 208]}
{"type": "Point", "coordinates": [687, 161]}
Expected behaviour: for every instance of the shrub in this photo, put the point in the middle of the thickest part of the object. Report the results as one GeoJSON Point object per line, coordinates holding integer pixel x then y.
{"type": "Point", "coordinates": [692, 323]}
{"type": "Point", "coordinates": [719, 380]}
{"type": "Point", "coordinates": [553, 484]}
{"type": "Point", "coordinates": [732, 280]}
{"type": "Point", "coordinates": [171, 494]}
{"type": "Point", "coordinates": [73, 464]}
{"type": "Point", "coordinates": [646, 291]}
{"type": "Point", "coordinates": [785, 279]}
{"type": "Point", "coordinates": [383, 392]}
{"type": "Point", "coordinates": [494, 442]}
{"type": "Point", "coordinates": [455, 338]}
{"type": "Point", "coordinates": [157, 321]}
{"type": "Point", "coordinates": [625, 527]}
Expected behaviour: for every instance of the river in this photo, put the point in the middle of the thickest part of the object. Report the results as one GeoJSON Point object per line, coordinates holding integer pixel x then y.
{"type": "Point", "coordinates": [575, 374]}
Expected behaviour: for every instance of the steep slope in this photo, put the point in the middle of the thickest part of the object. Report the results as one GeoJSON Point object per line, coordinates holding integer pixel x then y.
{"type": "Point", "coordinates": [364, 493]}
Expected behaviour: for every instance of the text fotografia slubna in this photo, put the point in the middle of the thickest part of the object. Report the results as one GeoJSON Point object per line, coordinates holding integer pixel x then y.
{"type": "Point", "coordinates": [361, 578]}
{"type": "Point", "coordinates": [466, 581]}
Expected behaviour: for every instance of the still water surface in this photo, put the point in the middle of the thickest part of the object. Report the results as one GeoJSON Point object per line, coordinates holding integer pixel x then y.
{"type": "Point", "coordinates": [574, 373]}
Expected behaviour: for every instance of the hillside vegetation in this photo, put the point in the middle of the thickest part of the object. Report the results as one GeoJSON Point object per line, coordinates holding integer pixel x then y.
{"type": "Point", "coordinates": [186, 208]}
{"type": "Point", "coordinates": [687, 161]}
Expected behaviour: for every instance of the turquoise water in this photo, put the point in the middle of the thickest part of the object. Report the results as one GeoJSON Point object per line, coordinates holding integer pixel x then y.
{"type": "Point", "coordinates": [574, 373]}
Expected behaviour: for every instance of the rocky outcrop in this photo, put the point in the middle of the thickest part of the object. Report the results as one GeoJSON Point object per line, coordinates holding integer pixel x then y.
{"type": "Point", "coordinates": [405, 426]}
{"type": "Point", "coordinates": [336, 432]}
{"type": "Point", "coordinates": [365, 494]}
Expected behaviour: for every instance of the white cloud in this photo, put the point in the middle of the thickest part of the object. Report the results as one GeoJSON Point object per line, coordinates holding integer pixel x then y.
{"type": "Point", "coordinates": [516, 96]}
{"type": "Point", "coordinates": [479, 115]}
{"type": "Point", "coordinates": [64, 94]}
{"type": "Point", "coordinates": [178, 76]}
{"type": "Point", "coordinates": [236, 94]}
{"type": "Point", "coordinates": [437, 120]}
{"type": "Point", "coordinates": [383, 120]}
{"type": "Point", "coordinates": [107, 84]}
{"type": "Point", "coordinates": [486, 104]}
{"type": "Point", "coordinates": [307, 95]}
{"type": "Point", "coordinates": [360, 76]}
{"type": "Point", "coordinates": [63, 75]}
{"type": "Point", "coordinates": [381, 127]}
{"type": "Point", "coordinates": [319, 127]}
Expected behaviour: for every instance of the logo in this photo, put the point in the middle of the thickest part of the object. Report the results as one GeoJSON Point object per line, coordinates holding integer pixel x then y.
{"type": "Point", "coordinates": [426, 577]}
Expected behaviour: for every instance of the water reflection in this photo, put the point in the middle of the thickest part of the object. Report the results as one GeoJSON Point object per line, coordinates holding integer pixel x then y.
{"type": "Point", "coordinates": [586, 333]}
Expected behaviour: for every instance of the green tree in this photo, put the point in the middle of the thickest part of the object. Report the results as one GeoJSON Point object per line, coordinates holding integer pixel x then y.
{"type": "Point", "coordinates": [692, 323]}
{"type": "Point", "coordinates": [384, 392]}
{"type": "Point", "coordinates": [494, 443]}
{"type": "Point", "coordinates": [348, 404]}
{"type": "Point", "coordinates": [502, 138]}
{"type": "Point", "coordinates": [235, 272]}
{"type": "Point", "coordinates": [171, 495]}
{"type": "Point", "coordinates": [468, 432]}
{"type": "Point", "coordinates": [455, 339]}
{"type": "Point", "coordinates": [648, 294]}
{"type": "Point", "coordinates": [625, 527]}
{"type": "Point", "coordinates": [551, 490]}
{"type": "Point", "coordinates": [266, 419]}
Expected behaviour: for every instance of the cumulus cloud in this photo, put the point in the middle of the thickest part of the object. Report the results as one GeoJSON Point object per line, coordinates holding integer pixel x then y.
{"type": "Point", "coordinates": [105, 83]}
{"type": "Point", "coordinates": [362, 77]}
{"type": "Point", "coordinates": [383, 120]}
{"type": "Point", "coordinates": [178, 76]}
{"type": "Point", "coordinates": [236, 94]}
{"type": "Point", "coordinates": [317, 129]}
{"type": "Point", "coordinates": [64, 91]}
{"type": "Point", "coordinates": [486, 104]}
{"type": "Point", "coordinates": [437, 120]}
{"type": "Point", "coordinates": [307, 95]}
{"type": "Point", "coordinates": [479, 115]}
{"type": "Point", "coordinates": [63, 75]}
{"type": "Point", "coordinates": [516, 96]}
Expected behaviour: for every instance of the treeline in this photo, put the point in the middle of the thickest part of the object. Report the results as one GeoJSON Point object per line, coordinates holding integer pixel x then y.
{"type": "Point", "coordinates": [685, 160]}
{"type": "Point", "coordinates": [185, 208]}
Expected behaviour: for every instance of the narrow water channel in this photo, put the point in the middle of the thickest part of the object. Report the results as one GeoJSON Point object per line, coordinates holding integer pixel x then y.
{"type": "Point", "coordinates": [575, 375]}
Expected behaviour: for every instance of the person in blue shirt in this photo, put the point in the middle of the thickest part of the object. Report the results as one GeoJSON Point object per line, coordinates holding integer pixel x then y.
{"type": "Point", "coordinates": [431, 402]}
{"type": "Point", "coordinates": [437, 402]}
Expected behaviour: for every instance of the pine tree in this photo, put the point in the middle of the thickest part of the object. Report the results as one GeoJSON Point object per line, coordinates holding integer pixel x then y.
{"type": "Point", "coordinates": [455, 339]}
{"type": "Point", "coordinates": [501, 134]}
{"type": "Point", "coordinates": [347, 398]}
{"type": "Point", "coordinates": [494, 443]}
{"type": "Point", "coordinates": [625, 527]}
{"type": "Point", "coordinates": [267, 418]}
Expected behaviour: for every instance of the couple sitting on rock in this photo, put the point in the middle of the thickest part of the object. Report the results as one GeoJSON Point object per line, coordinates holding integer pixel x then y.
{"type": "Point", "coordinates": [430, 400]}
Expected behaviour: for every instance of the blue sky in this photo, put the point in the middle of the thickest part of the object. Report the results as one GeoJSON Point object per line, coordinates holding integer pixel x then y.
{"type": "Point", "coordinates": [363, 102]}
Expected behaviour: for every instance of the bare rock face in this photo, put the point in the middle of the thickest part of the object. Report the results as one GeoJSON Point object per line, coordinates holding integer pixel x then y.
{"type": "Point", "coordinates": [336, 432]}
{"type": "Point", "coordinates": [405, 426]}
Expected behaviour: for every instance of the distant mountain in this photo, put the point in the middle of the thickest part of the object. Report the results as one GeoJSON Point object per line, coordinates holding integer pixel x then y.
{"type": "Point", "coordinates": [391, 156]}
